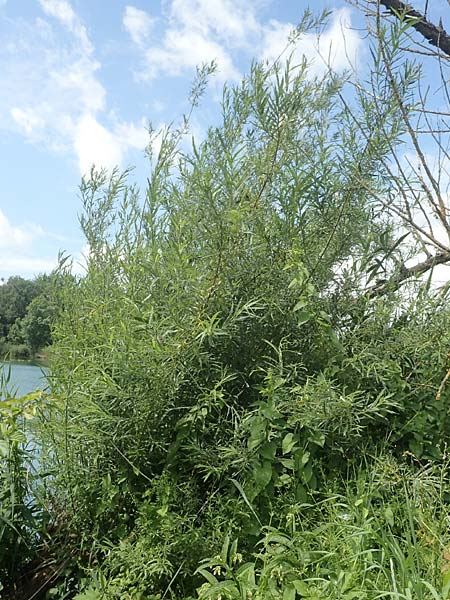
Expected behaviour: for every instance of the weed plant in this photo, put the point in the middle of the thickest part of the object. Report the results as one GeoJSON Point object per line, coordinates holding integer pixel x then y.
{"type": "Point", "coordinates": [22, 516]}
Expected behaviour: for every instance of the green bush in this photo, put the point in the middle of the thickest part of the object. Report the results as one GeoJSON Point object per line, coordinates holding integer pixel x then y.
{"type": "Point", "coordinates": [19, 352]}
{"type": "Point", "coordinates": [225, 367]}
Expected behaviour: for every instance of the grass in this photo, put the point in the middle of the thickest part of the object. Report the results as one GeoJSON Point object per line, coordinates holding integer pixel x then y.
{"type": "Point", "coordinates": [383, 535]}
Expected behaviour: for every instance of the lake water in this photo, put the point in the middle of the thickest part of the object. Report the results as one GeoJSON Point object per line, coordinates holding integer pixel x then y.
{"type": "Point", "coordinates": [24, 377]}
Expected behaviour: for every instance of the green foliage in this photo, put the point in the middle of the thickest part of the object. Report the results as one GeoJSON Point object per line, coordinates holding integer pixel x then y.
{"type": "Point", "coordinates": [27, 310]}
{"type": "Point", "coordinates": [37, 323]}
{"type": "Point", "coordinates": [15, 296]}
{"type": "Point", "coordinates": [383, 537]}
{"type": "Point", "coordinates": [20, 516]}
{"type": "Point", "coordinates": [16, 334]}
{"type": "Point", "coordinates": [225, 368]}
{"type": "Point", "coordinates": [18, 352]}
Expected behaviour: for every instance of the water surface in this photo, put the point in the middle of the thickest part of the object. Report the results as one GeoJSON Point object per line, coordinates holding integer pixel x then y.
{"type": "Point", "coordinates": [24, 377]}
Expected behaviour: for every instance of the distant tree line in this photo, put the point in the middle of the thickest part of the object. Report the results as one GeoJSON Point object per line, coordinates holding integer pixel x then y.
{"type": "Point", "coordinates": [26, 312]}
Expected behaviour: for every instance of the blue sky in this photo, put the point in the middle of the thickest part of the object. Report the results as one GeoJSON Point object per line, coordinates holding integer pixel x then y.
{"type": "Point", "coordinates": [81, 80]}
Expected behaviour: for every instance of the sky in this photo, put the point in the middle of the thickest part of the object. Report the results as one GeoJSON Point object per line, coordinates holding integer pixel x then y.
{"type": "Point", "coordinates": [82, 79]}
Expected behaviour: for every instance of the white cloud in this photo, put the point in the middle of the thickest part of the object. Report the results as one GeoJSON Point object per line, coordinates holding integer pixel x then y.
{"type": "Point", "coordinates": [158, 106]}
{"type": "Point", "coordinates": [64, 13]}
{"type": "Point", "coordinates": [22, 247]}
{"type": "Point", "coordinates": [337, 47]}
{"type": "Point", "coordinates": [231, 21]}
{"type": "Point", "coordinates": [275, 40]}
{"type": "Point", "coordinates": [138, 23]}
{"type": "Point", "coordinates": [340, 44]}
{"type": "Point", "coordinates": [94, 144]}
{"type": "Point", "coordinates": [49, 79]}
{"type": "Point", "coordinates": [132, 135]}
{"type": "Point", "coordinates": [17, 237]}
{"type": "Point", "coordinates": [79, 81]}
{"type": "Point", "coordinates": [185, 50]}
{"type": "Point", "coordinates": [441, 275]}
{"type": "Point", "coordinates": [103, 147]}
{"type": "Point", "coordinates": [25, 266]}
{"type": "Point", "coordinates": [200, 31]}
{"type": "Point", "coordinates": [27, 119]}
{"type": "Point", "coordinates": [52, 94]}
{"type": "Point", "coordinates": [197, 133]}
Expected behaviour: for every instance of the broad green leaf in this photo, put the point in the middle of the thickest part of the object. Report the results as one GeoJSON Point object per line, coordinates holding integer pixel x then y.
{"type": "Point", "coordinates": [17, 436]}
{"type": "Point", "coordinates": [288, 463]}
{"type": "Point", "coordinates": [263, 474]}
{"type": "Point", "coordinates": [301, 587]}
{"type": "Point", "coordinates": [225, 546]}
{"type": "Point", "coordinates": [257, 432]}
{"type": "Point", "coordinates": [303, 317]}
{"type": "Point", "coordinates": [4, 448]}
{"type": "Point", "coordinates": [318, 438]}
{"type": "Point", "coordinates": [301, 459]}
{"type": "Point", "coordinates": [289, 592]}
{"type": "Point", "coordinates": [446, 585]}
{"type": "Point", "coordinates": [207, 575]}
{"type": "Point", "coordinates": [307, 472]}
{"type": "Point", "coordinates": [288, 443]}
{"type": "Point", "coordinates": [268, 450]}
{"type": "Point", "coordinates": [301, 494]}
{"type": "Point", "coordinates": [301, 304]}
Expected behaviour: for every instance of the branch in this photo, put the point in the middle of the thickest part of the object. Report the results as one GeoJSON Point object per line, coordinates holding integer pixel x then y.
{"type": "Point", "coordinates": [405, 273]}
{"type": "Point", "coordinates": [435, 34]}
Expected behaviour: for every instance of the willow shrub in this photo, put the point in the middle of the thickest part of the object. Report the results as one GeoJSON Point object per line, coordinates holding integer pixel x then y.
{"type": "Point", "coordinates": [219, 360]}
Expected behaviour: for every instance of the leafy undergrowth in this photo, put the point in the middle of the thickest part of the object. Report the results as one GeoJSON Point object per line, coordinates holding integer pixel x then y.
{"type": "Point", "coordinates": [385, 535]}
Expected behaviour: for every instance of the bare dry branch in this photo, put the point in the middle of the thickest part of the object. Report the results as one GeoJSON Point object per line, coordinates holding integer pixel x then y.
{"type": "Point", "coordinates": [404, 273]}
{"type": "Point", "coordinates": [435, 34]}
